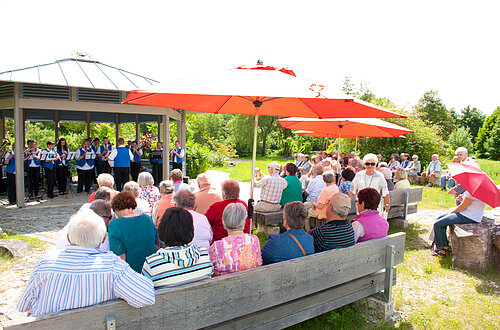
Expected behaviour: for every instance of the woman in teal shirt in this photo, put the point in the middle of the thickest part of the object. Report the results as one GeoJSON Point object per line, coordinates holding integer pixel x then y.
{"type": "Point", "coordinates": [132, 237]}
{"type": "Point", "coordinates": [293, 189]}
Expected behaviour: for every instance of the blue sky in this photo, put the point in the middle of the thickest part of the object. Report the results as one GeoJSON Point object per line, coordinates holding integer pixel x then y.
{"type": "Point", "coordinates": [400, 48]}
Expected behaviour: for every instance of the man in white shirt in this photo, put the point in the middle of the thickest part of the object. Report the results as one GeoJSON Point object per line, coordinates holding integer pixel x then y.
{"type": "Point", "coordinates": [272, 188]}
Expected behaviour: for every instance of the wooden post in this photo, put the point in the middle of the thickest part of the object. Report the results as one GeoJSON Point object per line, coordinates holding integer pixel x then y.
{"type": "Point", "coordinates": [2, 126]}
{"type": "Point", "coordinates": [117, 127]}
{"type": "Point", "coordinates": [19, 147]}
{"type": "Point", "coordinates": [159, 129]}
{"type": "Point", "coordinates": [56, 124]}
{"type": "Point", "coordinates": [88, 124]}
{"type": "Point", "coordinates": [166, 148]}
{"type": "Point", "coordinates": [137, 129]}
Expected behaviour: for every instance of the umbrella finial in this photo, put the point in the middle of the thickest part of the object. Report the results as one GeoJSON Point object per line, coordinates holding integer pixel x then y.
{"type": "Point", "coordinates": [260, 62]}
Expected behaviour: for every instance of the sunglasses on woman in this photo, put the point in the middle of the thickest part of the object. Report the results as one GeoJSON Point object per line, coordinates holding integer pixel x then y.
{"type": "Point", "coordinates": [370, 164]}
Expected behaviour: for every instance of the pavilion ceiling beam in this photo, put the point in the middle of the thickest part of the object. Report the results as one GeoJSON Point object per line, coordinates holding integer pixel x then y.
{"type": "Point", "coordinates": [95, 107]}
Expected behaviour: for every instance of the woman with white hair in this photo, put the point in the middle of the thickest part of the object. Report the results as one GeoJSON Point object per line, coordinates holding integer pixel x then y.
{"type": "Point", "coordinates": [370, 178]}
{"type": "Point", "coordinates": [166, 201]}
{"type": "Point", "coordinates": [238, 251]}
{"type": "Point", "coordinates": [104, 180]}
{"type": "Point", "coordinates": [142, 205]}
{"type": "Point", "coordinates": [148, 191]}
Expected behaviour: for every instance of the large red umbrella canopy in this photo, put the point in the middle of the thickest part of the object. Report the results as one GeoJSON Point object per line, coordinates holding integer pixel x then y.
{"type": "Point", "coordinates": [344, 127]}
{"type": "Point", "coordinates": [332, 136]}
{"type": "Point", "coordinates": [235, 92]}
{"type": "Point", "coordinates": [255, 90]}
{"type": "Point", "coordinates": [476, 182]}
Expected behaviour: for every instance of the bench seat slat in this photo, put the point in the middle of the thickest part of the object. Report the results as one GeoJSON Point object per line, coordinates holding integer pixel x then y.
{"type": "Point", "coordinates": [226, 298]}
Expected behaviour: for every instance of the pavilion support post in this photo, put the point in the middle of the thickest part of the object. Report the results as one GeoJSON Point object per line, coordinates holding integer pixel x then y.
{"type": "Point", "coordinates": [117, 127]}
{"type": "Point", "coordinates": [166, 148]}
{"type": "Point", "coordinates": [25, 127]}
{"type": "Point", "coordinates": [137, 129]}
{"type": "Point", "coordinates": [19, 147]}
{"type": "Point", "coordinates": [182, 136]}
{"type": "Point", "coordinates": [2, 126]}
{"type": "Point", "coordinates": [88, 124]}
{"type": "Point", "coordinates": [56, 124]}
{"type": "Point", "coordinates": [159, 129]}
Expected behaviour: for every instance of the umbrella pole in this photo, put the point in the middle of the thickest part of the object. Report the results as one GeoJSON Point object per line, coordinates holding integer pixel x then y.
{"type": "Point", "coordinates": [356, 146]}
{"type": "Point", "coordinates": [254, 151]}
{"type": "Point", "coordinates": [257, 104]}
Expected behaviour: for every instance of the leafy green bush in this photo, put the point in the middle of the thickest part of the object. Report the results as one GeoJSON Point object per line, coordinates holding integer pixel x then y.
{"type": "Point", "coordinates": [197, 159]}
{"type": "Point", "coordinates": [461, 138]}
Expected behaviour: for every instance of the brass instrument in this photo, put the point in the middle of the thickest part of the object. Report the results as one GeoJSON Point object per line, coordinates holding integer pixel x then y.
{"type": "Point", "coordinates": [3, 149]}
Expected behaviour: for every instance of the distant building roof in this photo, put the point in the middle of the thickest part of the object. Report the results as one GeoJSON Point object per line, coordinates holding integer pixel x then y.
{"type": "Point", "coordinates": [79, 72]}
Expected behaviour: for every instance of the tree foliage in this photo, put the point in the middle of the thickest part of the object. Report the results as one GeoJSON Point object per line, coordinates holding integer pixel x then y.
{"type": "Point", "coordinates": [472, 119]}
{"type": "Point", "coordinates": [461, 137]}
{"type": "Point", "coordinates": [431, 109]}
{"type": "Point", "coordinates": [487, 137]}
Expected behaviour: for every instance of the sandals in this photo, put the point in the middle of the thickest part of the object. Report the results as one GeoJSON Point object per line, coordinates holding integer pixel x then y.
{"type": "Point", "coordinates": [439, 251]}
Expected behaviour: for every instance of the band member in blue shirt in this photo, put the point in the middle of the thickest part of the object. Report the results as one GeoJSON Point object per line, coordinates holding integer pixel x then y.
{"type": "Point", "coordinates": [32, 156]}
{"type": "Point", "coordinates": [10, 161]}
{"type": "Point", "coordinates": [62, 166]}
{"type": "Point", "coordinates": [97, 169]}
{"type": "Point", "coordinates": [49, 157]}
{"type": "Point", "coordinates": [177, 156]}
{"type": "Point", "coordinates": [122, 156]}
{"type": "Point", "coordinates": [85, 157]}
{"type": "Point", "coordinates": [104, 151]}
{"type": "Point", "coordinates": [135, 165]}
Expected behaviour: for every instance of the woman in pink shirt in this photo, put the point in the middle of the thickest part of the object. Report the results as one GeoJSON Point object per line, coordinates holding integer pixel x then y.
{"type": "Point", "coordinates": [238, 251]}
{"type": "Point", "coordinates": [368, 224]}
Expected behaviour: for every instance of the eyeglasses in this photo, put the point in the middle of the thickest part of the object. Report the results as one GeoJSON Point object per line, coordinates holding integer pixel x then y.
{"type": "Point", "coordinates": [109, 217]}
{"type": "Point", "coordinates": [370, 164]}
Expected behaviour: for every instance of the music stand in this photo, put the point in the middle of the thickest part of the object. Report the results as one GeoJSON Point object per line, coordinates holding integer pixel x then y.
{"type": "Point", "coordinates": [70, 184]}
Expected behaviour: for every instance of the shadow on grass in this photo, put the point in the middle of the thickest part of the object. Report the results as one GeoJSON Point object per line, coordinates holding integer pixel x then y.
{"type": "Point", "coordinates": [413, 241]}
{"type": "Point", "coordinates": [489, 278]}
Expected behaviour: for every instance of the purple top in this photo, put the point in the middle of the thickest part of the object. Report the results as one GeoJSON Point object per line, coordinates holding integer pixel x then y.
{"type": "Point", "coordinates": [375, 226]}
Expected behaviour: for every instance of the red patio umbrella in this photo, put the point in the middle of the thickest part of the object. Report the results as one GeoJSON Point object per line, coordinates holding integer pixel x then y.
{"type": "Point", "coordinates": [255, 90]}
{"type": "Point", "coordinates": [476, 182]}
{"type": "Point", "coordinates": [344, 127]}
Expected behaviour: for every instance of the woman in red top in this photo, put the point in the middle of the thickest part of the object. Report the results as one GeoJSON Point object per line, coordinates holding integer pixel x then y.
{"type": "Point", "coordinates": [230, 194]}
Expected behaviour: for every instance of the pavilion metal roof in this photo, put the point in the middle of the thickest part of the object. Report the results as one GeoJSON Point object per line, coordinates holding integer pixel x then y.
{"type": "Point", "coordinates": [79, 72]}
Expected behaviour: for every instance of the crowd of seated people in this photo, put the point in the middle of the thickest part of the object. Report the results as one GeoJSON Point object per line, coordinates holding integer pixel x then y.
{"type": "Point", "coordinates": [142, 238]}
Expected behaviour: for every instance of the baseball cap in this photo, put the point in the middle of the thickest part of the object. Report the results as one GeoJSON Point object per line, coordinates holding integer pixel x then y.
{"type": "Point", "coordinates": [341, 202]}
{"type": "Point", "coordinates": [274, 165]}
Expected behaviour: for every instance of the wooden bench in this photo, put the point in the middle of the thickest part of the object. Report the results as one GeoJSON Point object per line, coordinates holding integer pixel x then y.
{"type": "Point", "coordinates": [272, 296]}
{"type": "Point", "coordinates": [268, 222]}
{"type": "Point", "coordinates": [401, 204]}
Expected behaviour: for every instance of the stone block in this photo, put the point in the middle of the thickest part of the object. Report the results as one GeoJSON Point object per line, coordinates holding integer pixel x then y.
{"type": "Point", "coordinates": [15, 248]}
{"type": "Point", "coordinates": [376, 309]}
{"type": "Point", "coordinates": [472, 244]}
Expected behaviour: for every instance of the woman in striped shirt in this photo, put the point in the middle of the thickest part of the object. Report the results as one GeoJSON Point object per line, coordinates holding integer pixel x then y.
{"type": "Point", "coordinates": [180, 261]}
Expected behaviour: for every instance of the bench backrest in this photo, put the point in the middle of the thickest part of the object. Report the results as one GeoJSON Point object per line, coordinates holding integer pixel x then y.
{"type": "Point", "coordinates": [226, 298]}
{"type": "Point", "coordinates": [397, 197]}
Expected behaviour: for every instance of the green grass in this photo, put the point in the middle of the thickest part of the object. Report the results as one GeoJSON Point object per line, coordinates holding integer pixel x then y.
{"type": "Point", "coordinates": [33, 241]}
{"type": "Point", "coordinates": [6, 261]}
{"type": "Point", "coordinates": [242, 171]}
{"type": "Point", "coordinates": [492, 168]}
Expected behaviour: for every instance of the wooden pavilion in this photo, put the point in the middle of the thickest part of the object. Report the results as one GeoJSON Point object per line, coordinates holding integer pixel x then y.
{"type": "Point", "coordinates": [78, 90]}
